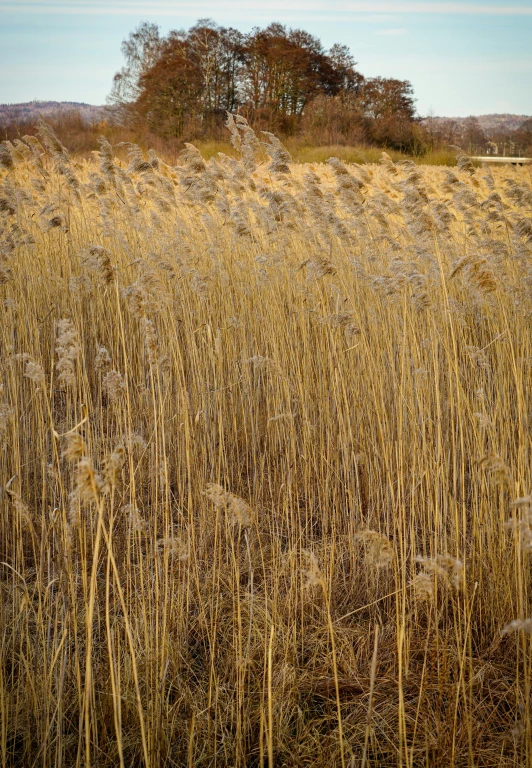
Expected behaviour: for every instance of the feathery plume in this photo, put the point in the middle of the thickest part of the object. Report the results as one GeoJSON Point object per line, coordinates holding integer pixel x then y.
{"type": "Point", "coordinates": [280, 157]}
{"type": "Point", "coordinates": [67, 350]}
{"type": "Point", "coordinates": [239, 510]}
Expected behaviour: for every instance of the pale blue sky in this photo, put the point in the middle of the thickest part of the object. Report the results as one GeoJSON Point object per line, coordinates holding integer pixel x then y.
{"type": "Point", "coordinates": [462, 57]}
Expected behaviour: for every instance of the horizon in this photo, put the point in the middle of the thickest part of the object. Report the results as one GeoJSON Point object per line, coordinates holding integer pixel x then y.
{"type": "Point", "coordinates": [102, 106]}
{"type": "Point", "coordinates": [462, 58]}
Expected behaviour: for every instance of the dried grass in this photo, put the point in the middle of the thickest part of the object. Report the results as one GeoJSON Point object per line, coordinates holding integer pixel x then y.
{"type": "Point", "coordinates": [254, 513]}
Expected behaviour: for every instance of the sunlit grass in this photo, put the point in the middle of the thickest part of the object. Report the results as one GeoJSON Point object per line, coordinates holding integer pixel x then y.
{"type": "Point", "coordinates": [308, 153]}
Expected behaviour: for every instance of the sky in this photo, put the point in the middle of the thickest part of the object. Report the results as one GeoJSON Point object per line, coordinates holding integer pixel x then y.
{"type": "Point", "coordinates": [462, 58]}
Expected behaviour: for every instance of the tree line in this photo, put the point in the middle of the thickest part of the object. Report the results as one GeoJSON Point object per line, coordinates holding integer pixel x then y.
{"type": "Point", "coordinates": [470, 136]}
{"type": "Point", "coordinates": [183, 84]}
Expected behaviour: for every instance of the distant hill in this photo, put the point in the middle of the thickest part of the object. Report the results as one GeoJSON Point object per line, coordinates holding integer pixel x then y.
{"type": "Point", "coordinates": [491, 123]}
{"type": "Point", "coordinates": [30, 110]}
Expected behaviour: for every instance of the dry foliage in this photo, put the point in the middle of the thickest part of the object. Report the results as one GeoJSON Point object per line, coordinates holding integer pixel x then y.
{"type": "Point", "coordinates": [266, 461]}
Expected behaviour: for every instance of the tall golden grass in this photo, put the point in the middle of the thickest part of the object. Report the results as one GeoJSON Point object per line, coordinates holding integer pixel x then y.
{"type": "Point", "coordinates": [266, 461]}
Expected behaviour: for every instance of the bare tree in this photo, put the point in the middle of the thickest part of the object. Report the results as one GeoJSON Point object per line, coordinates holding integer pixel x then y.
{"type": "Point", "coordinates": [141, 50]}
{"type": "Point", "coordinates": [473, 137]}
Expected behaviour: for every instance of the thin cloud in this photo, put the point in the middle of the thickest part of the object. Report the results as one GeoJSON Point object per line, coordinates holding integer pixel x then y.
{"type": "Point", "coordinates": [168, 8]}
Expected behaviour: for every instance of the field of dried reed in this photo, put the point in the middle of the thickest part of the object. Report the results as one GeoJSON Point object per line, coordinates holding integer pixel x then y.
{"type": "Point", "coordinates": [266, 460]}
